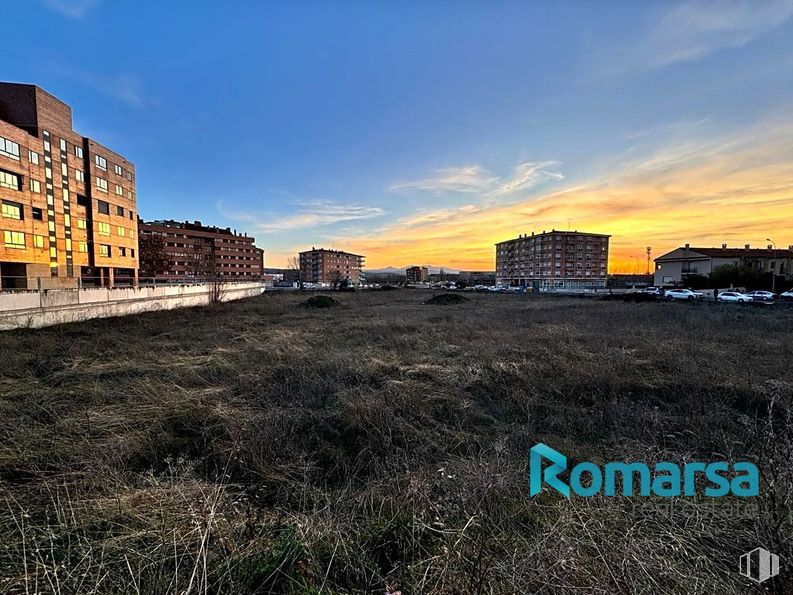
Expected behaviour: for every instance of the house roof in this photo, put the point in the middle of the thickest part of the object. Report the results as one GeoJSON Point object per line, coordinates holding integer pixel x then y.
{"type": "Point", "coordinates": [694, 253]}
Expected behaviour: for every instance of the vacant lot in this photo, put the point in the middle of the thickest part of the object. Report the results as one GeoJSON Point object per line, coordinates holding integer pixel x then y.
{"type": "Point", "coordinates": [381, 445]}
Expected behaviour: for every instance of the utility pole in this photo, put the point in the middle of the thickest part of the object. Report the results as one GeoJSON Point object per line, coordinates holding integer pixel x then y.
{"type": "Point", "coordinates": [773, 272]}
{"type": "Point", "coordinates": [649, 251]}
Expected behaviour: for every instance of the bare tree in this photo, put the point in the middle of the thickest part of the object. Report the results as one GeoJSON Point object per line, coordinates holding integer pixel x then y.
{"type": "Point", "coordinates": [293, 264]}
{"type": "Point", "coordinates": [152, 256]}
{"type": "Point", "coordinates": [335, 278]}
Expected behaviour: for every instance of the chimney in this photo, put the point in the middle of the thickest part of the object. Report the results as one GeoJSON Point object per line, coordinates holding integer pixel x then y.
{"type": "Point", "coordinates": [724, 245]}
{"type": "Point", "coordinates": [746, 246]}
{"type": "Point", "coordinates": [688, 246]}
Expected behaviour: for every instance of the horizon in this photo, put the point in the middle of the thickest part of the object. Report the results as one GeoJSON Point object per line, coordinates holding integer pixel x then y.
{"type": "Point", "coordinates": [660, 124]}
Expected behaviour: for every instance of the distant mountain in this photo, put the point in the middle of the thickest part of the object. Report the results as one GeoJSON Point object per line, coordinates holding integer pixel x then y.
{"type": "Point", "coordinates": [434, 270]}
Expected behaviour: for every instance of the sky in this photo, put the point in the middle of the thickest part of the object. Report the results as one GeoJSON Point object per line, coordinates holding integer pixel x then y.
{"type": "Point", "coordinates": [424, 132]}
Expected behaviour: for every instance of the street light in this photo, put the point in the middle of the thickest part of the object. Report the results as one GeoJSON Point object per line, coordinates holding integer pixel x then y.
{"type": "Point", "coordinates": [773, 272]}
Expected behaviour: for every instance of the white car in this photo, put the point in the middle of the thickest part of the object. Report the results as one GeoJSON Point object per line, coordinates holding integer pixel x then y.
{"type": "Point", "coordinates": [762, 296]}
{"type": "Point", "coordinates": [682, 294]}
{"type": "Point", "coordinates": [788, 295]}
{"type": "Point", "coordinates": [733, 296]}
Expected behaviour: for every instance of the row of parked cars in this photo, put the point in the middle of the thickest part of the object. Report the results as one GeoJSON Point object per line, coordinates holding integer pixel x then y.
{"type": "Point", "coordinates": [721, 296]}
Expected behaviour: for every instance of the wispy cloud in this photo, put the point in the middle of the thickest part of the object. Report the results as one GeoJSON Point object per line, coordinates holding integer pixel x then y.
{"type": "Point", "coordinates": [475, 179]}
{"type": "Point", "coordinates": [74, 9]}
{"type": "Point", "coordinates": [125, 87]}
{"type": "Point", "coordinates": [689, 31]}
{"type": "Point", "coordinates": [307, 214]}
{"type": "Point", "coordinates": [469, 178]}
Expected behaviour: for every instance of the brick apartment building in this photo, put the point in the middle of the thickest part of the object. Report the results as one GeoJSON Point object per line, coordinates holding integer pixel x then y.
{"type": "Point", "coordinates": [68, 203]}
{"type": "Point", "coordinates": [196, 251]}
{"type": "Point", "coordinates": [417, 274]}
{"type": "Point", "coordinates": [554, 260]}
{"type": "Point", "coordinates": [319, 265]}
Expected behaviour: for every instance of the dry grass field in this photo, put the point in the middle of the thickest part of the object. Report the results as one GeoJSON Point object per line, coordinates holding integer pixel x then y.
{"type": "Point", "coordinates": [381, 446]}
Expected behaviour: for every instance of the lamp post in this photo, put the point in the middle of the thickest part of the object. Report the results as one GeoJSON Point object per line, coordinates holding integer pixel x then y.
{"type": "Point", "coordinates": [773, 272]}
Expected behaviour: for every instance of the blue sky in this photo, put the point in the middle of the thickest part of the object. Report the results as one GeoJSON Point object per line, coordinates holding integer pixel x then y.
{"type": "Point", "coordinates": [403, 129]}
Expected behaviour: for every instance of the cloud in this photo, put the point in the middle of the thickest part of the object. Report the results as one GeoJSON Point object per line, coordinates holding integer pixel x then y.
{"type": "Point", "coordinates": [74, 9]}
{"type": "Point", "coordinates": [470, 178]}
{"type": "Point", "coordinates": [735, 188]}
{"type": "Point", "coordinates": [309, 214]}
{"type": "Point", "coordinates": [125, 87]}
{"type": "Point", "coordinates": [475, 179]}
{"type": "Point", "coordinates": [689, 31]}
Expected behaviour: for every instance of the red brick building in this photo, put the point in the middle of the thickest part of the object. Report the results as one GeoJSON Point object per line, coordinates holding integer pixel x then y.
{"type": "Point", "coordinates": [68, 203]}
{"type": "Point", "coordinates": [319, 265]}
{"type": "Point", "coordinates": [417, 274]}
{"type": "Point", "coordinates": [196, 251]}
{"type": "Point", "coordinates": [554, 260]}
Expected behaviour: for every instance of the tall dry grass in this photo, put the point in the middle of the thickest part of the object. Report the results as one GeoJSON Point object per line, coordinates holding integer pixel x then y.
{"type": "Point", "coordinates": [381, 447]}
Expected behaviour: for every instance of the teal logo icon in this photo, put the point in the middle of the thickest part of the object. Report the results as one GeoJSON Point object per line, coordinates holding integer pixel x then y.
{"type": "Point", "coordinates": [666, 479]}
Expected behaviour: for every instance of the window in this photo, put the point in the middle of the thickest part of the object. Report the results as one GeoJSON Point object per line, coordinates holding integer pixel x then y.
{"type": "Point", "coordinates": [83, 201]}
{"type": "Point", "coordinates": [82, 247]}
{"type": "Point", "coordinates": [37, 214]}
{"type": "Point", "coordinates": [130, 215]}
{"type": "Point", "coordinates": [67, 220]}
{"type": "Point", "coordinates": [132, 252]}
{"type": "Point", "coordinates": [35, 186]}
{"type": "Point", "coordinates": [119, 190]}
{"type": "Point", "coordinates": [118, 170]}
{"type": "Point", "coordinates": [79, 175]}
{"type": "Point", "coordinates": [63, 145]}
{"type": "Point", "coordinates": [34, 157]}
{"type": "Point", "coordinates": [122, 251]}
{"type": "Point", "coordinates": [131, 195]}
{"type": "Point", "coordinates": [9, 148]}
{"type": "Point", "coordinates": [78, 151]}
{"type": "Point", "coordinates": [104, 250]}
{"type": "Point", "coordinates": [120, 211]}
{"type": "Point", "coordinates": [12, 210]}
{"type": "Point", "coordinates": [81, 224]}
{"type": "Point", "coordinates": [10, 181]}
{"type": "Point", "coordinates": [68, 245]}
{"type": "Point", "coordinates": [38, 241]}
{"type": "Point", "coordinates": [101, 162]}
{"type": "Point", "coordinates": [129, 176]}
{"type": "Point", "coordinates": [103, 207]}
{"type": "Point", "coordinates": [121, 231]}
{"type": "Point", "coordinates": [64, 169]}
{"type": "Point", "coordinates": [104, 228]}
{"type": "Point", "coordinates": [101, 184]}
{"type": "Point", "coordinates": [53, 252]}
{"type": "Point", "coordinates": [132, 233]}
{"type": "Point", "coordinates": [14, 239]}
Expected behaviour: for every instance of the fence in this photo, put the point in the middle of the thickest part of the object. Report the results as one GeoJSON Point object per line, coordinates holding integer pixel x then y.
{"type": "Point", "coordinates": [37, 308]}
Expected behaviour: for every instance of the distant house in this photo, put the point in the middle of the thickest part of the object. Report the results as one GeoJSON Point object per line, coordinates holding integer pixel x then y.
{"type": "Point", "coordinates": [673, 268]}
{"type": "Point", "coordinates": [417, 274]}
{"type": "Point", "coordinates": [477, 277]}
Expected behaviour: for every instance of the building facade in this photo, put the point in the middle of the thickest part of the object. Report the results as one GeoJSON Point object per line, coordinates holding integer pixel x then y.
{"type": "Point", "coordinates": [417, 274]}
{"type": "Point", "coordinates": [477, 277]}
{"type": "Point", "coordinates": [673, 267]}
{"type": "Point", "coordinates": [554, 260]}
{"type": "Point", "coordinates": [69, 208]}
{"type": "Point", "coordinates": [196, 251]}
{"type": "Point", "coordinates": [319, 265]}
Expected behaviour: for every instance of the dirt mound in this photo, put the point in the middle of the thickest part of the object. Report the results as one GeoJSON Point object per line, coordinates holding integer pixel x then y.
{"type": "Point", "coordinates": [446, 299]}
{"type": "Point", "coordinates": [319, 301]}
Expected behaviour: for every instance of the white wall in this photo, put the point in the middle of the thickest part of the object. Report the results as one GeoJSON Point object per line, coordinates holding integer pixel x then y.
{"type": "Point", "coordinates": [35, 309]}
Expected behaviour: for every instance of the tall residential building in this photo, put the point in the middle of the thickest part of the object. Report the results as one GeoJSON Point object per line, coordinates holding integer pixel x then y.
{"type": "Point", "coordinates": [68, 203]}
{"type": "Point", "coordinates": [417, 274]}
{"type": "Point", "coordinates": [554, 260]}
{"type": "Point", "coordinates": [196, 251]}
{"type": "Point", "coordinates": [319, 265]}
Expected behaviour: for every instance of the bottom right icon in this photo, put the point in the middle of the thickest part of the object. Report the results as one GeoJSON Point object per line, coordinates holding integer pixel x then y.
{"type": "Point", "coordinates": [759, 565]}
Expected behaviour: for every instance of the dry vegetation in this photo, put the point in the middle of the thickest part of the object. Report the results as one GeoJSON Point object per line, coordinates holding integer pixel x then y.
{"type": "Point", "coordinates": [382, 446]}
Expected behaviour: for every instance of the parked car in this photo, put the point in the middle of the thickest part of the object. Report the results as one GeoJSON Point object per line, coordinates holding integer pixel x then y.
{"type": "Point", "coordinates": [651, 291]}
{"type": "Point", "coordinates": [787, 295]}
{"type": "Point", "coordinates": [682, 294]}
{"type": "Point", "coordinates": [733, 296]}
{"type": "Point", "coordinates": [762, 296]}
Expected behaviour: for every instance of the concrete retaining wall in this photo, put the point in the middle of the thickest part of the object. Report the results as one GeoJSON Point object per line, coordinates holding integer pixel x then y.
{"type": "Point", "coordinates": [34, 309]}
